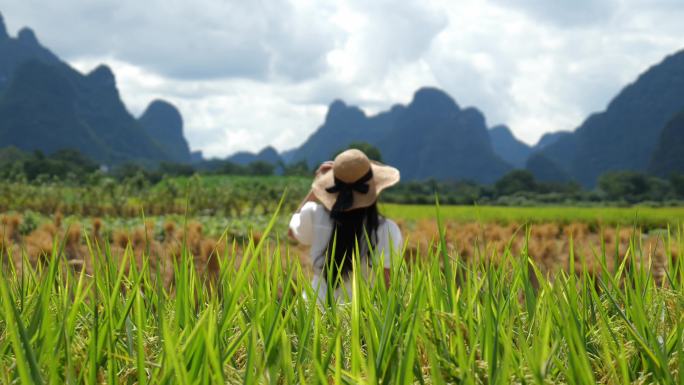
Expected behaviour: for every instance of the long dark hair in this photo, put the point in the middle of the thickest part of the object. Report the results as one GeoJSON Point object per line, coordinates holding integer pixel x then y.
{"type": "Point", "coordinates": [349, 228]}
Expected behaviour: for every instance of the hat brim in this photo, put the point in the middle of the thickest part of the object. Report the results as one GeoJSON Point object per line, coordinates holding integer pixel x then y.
{"type": "Point", "coordinates": [384, 176]}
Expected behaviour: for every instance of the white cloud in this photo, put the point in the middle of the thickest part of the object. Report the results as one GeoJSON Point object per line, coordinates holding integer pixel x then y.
{"type": "Point", "coordinates": [537, 72]}
{"type": "Point", "coordinates": [250, 74]}
{"type": "Point", "coordinates": [566, 13]}
{"type": "Point", "coordinates": [187, 39]}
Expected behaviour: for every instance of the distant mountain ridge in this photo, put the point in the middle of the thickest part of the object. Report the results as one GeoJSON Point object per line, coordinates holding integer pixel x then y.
{"type": "Point", "coordinates": [163, 121]}
{"type": "Point", "coordinates": [625, 135]}
{"type": "Point", "coordinates": [508, 147]}
{"type": "Point", "coordinates": [431, 137]}
{"type": "Point", "coordinates": [47, 105]}
{"type": "Point", "coordinates": [3, 29]}
{"type": "Point", "coordinates": [545, 170]}
{"type": "Point", "coordinates": [14, 52]}
{"type": "Point", "coordinates": [268, 155]}
{"type": "Point", "coordinates": [550, 138]}
{"type": "Point", "coordinates": [668, 157]}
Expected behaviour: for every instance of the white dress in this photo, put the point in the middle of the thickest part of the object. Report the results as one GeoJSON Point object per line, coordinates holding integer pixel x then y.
{"type": "Point", "coordinates": [313, 226]}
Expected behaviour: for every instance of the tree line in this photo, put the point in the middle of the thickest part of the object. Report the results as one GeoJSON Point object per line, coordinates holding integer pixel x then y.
{"type": "Point", "coordinates": [518, 187]}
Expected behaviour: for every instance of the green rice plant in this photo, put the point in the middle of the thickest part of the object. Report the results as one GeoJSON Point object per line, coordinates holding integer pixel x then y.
{"type": "Point", "coordinates": [649, 217]}
{"type": "Point", "coordinates": [441, 319]}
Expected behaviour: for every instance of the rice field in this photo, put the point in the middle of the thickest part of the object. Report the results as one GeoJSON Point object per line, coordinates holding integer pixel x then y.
{"type": "Point", "coordinates": [642, 216]}
{"type": "Point", "coordinates": [482, 296]}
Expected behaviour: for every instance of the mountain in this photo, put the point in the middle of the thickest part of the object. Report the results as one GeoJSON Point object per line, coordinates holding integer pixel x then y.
{"type": "Point", "coordinates": [550, 138]}
{"type": "Point", "coordinates": [268, 155]}
{"type": "Point", "coordinates": [14, 52]}
{"type": "Point", "coordinates": [38, 112]}
{"type": "Point", "coordinates": [431, 137]}
{"type": "Point", "coordinates": [196, 156]}
{"type": "Point", "coordinates": [669, 155]}
{"type": "Point", "coordinates": [545, 170]}
{"type": "Point", "coordinates": [288, 155]}
{"type": "Point", "coordinates": [343, 124]}
{"type": "Point", "coordinates": [508, 147]}
{"type": "Point", "coordinates": [625, 135]}
{"type": "Point", "coordinates": [164, 123]}
{"type": "Point", "coordinates": [3, 29]}
{"type": "Point", "coordinates": [47, 105]}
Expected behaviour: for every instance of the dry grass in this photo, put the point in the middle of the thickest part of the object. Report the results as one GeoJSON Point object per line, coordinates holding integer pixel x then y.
{"type": "Point", "coordinates": [163, 246]}
{"type": "Point", "coordinates": [551, 245]}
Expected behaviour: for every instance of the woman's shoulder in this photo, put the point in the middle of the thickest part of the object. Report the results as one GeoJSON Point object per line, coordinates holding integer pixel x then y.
{"type": "Point", "coordinates": [389, 233]}
{"type": "Point", "coordinates": [315, 210]}
{"type": "Point", "coordinates": [309, 206]}
{"type": "Point", "coordinates": [313, 207]}
{"type": "Point", "coordinates": [390, 225]}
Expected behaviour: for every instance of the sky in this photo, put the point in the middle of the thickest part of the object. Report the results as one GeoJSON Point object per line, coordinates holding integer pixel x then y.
{"type": "Point", "coordinates": [247, 74]}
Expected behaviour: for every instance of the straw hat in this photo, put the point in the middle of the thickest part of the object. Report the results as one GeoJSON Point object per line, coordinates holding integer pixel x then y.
{"type": "Point", "coordinates": [353, 182]}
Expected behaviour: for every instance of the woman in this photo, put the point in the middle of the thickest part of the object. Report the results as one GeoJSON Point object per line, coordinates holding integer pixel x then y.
{"type": "Point", "coordinates": [340, 213]}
